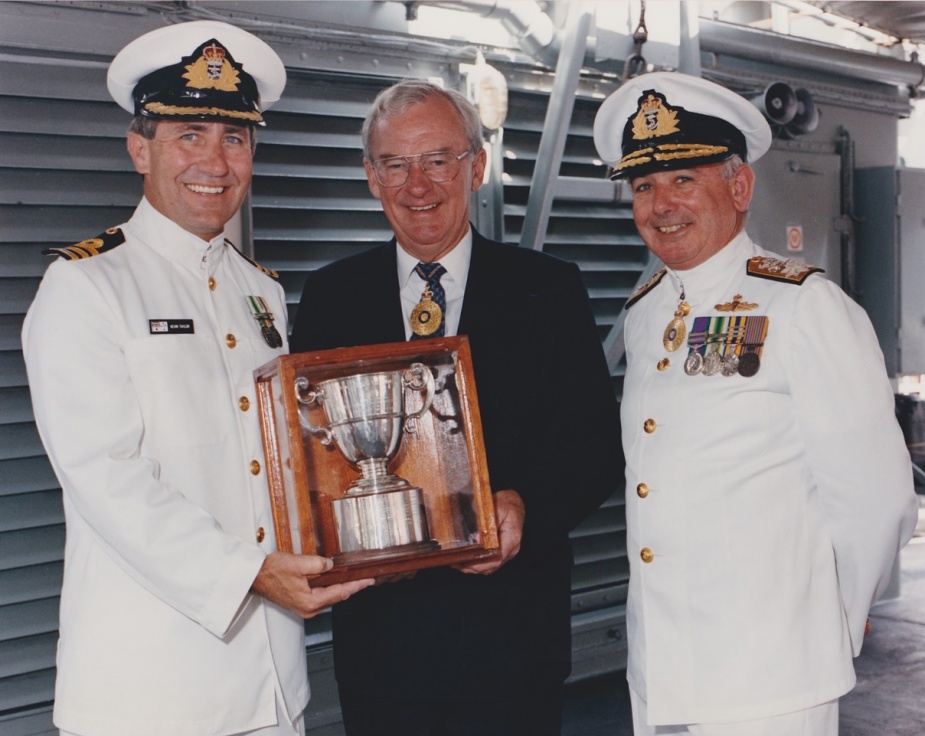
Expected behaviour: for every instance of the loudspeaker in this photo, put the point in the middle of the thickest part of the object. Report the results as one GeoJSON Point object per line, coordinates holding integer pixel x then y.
{"type": "Point", "coordinates": [806, 119]}
{"type": "Point", "coordinates": [778, 103]}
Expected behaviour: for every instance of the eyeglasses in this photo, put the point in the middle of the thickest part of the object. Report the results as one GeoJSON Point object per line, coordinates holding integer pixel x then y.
{"type": "Point", "coordinates": [437, 166]}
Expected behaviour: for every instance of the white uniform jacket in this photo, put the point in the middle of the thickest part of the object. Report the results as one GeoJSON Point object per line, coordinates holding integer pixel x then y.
{"type": "Point", "coordinates": [764, 511]}
{"type": "Point", "coordinates": [140, 363]}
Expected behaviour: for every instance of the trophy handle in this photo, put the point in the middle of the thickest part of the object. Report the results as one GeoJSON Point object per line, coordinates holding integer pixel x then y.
{"type": "Point", "coordinates": [301, 384]}
{"type": "Point", "coordinates": [419, 378]}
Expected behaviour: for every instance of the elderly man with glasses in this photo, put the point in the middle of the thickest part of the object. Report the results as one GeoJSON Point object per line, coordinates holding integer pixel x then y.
{"type": "Point", "coordinates": [484, 649]}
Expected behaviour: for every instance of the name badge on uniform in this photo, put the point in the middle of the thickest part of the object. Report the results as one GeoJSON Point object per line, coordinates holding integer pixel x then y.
{"type": "Point", "coordinates": [264, 317]}
{"type": "Point", "coordinates": [170, 326]}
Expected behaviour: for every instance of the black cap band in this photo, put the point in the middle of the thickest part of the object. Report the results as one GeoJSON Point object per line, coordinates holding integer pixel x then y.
{"type": "Point", "coordinates": [659, 137]}
{"type": "Point", "coordinates": [207, 85]}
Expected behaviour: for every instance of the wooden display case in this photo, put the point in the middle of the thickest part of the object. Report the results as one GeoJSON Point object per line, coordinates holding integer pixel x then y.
{"type": "Point", "coordinates": [343, 485]}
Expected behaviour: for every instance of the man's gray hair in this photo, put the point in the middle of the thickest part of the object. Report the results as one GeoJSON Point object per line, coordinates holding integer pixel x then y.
{"type": "Point", "coordinates": [143, 126]}
{"type": "Point", "coordinates": [731, 165]}
{"type": "Point", "coordinates": [395, 100]}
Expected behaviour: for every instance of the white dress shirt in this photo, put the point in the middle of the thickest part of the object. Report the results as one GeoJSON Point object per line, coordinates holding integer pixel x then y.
{"type": "Point", "coordinates": [456, 263]}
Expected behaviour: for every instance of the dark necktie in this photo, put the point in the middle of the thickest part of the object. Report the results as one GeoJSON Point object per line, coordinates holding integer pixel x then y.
{"type": "Point", "coordinates": [428, 318]}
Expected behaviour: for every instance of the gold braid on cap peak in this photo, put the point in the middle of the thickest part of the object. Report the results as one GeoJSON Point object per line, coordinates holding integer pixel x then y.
{"type": "Point", "coordinates": [687, 150]}
{"type": "Point", "coordinates": [158, 108]}
{"type": "Point", "coordinates": [668, 152]}
{"type": "Point", "coordinates": [642, 156]}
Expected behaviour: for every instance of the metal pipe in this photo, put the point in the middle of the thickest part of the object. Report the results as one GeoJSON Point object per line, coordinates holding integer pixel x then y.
{"type": "Point", "coordinates": [555, 128]}
{"type": "Point", "coordinates": [749, 43]}
{"type": "Point", "coordinates": [845, 147]}
{"type": "Point", "coordinates": [689, 42]}
{"type": "Point", "coordinates": [534, 30]}
{"type": "Point", "coordinates": [537, 34]}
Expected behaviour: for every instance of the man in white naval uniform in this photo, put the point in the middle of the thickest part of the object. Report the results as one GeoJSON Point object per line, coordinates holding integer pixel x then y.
{"type": "Point", "coordinates": [178, 615]}
{"type": "Point", "coordinates": [769, 489]}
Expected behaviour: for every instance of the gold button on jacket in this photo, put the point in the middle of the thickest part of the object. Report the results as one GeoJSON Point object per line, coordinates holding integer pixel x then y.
{"type": "Point", "coordinates": [647, 555]}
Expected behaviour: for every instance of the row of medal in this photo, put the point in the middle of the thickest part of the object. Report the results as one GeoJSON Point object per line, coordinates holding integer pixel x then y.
{"type": "Point", "coordinates": [728, 346]}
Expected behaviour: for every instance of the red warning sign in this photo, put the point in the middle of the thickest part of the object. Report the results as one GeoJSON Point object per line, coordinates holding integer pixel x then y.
{"type": "Point", "coordinates": [795, 238]}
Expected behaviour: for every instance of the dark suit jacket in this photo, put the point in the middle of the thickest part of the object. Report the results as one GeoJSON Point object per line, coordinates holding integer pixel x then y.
{"type": "Point", "coordinates": [551, 427]}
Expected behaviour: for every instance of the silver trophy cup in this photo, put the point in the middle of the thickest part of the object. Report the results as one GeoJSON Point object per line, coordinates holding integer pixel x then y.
{"type": "Point", "coordinates": [366, 420]}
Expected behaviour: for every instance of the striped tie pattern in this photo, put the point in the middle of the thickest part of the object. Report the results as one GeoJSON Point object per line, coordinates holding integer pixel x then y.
{"type": "Point", "coordinates": [431, 273]}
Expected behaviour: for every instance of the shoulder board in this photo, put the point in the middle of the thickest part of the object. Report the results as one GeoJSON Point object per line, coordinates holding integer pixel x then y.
{"type": "Point", "coordinates": [641, 291]}
{"type": "Point", "coordinates": [787, 270]}
{"type": "Point", "coordinates": [262, 269]}
{"type": "Point", "coordinates": [88, 248]}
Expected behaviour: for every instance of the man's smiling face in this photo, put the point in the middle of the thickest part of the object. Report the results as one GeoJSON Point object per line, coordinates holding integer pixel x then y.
{"type": "Point", "coordinates": [685, 216]}
{"type": "Point", "coordinates": [429, 218]}
{"type": "Point", "coordinates": [196, 173]}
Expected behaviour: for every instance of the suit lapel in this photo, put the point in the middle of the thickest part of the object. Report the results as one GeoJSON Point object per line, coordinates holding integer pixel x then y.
{"type": "Point", "coordinates": [481, 283]}
{"type": "Point", "coordinates": [384, 321]}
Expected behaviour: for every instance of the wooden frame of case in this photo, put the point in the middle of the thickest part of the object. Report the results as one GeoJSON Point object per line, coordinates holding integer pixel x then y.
{"type": "Point", "coordinates": [445, 457]}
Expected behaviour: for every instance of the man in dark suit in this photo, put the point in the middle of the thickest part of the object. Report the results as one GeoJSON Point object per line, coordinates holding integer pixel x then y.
{"type": "Point", "coordinates": [486, 652]}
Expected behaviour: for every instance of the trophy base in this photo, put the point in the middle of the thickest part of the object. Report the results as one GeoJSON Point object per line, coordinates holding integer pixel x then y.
{"type": "Point", "coordinates": [380, 520]}
{"type": "Point", "coordinates": [375, 555]}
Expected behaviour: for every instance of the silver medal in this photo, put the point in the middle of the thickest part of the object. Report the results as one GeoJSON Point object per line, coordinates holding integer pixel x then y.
{"type": "Point", "coordinates": [730, 365]}
{"type": "Point", "coordinates": [693, 364]}
{"type": "Point", "coordinates": [712, 362]}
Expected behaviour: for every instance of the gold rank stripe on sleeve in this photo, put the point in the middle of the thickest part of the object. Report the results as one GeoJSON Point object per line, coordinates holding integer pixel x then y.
{"type": "Point", "coordinates": [641, 291]}
{"type": "Point", "coordinates": [269, 272]}
{"type": "Point", "coordinates": [108, 240]}
{"type": "Point", "coordinates": [786, 270]}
